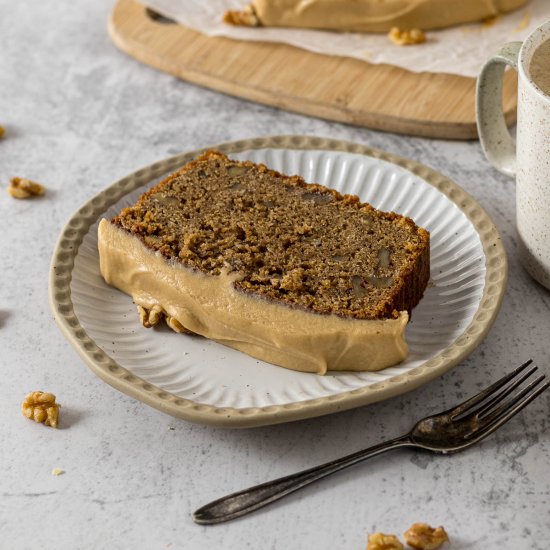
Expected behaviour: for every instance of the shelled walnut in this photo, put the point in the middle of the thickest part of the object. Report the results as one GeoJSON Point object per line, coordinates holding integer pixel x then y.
{"type": "Point", "coordinates": [150, 317]}
{"type": "Point", "coordinates": [23, 188]}
{"type": "Point", "coordinates": [380, 541]}
{"type": "Point", "coordinates": [423, 537]}
{"type": "Point", "coordinates": [246, 17]}
{"type": "Point", "coordinates": [176, 326]}
{"type": "Point", "coordinates": [41, 407]}
{"type": "Point", "coordinates": [406, 38]}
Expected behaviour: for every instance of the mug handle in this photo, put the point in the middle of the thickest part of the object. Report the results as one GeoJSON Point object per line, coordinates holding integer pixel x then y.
{"type": "Point", "coordinates": [497, 143]}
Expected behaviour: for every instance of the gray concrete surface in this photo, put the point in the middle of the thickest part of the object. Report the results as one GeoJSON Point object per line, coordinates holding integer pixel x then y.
{"type": "Point", "coordinates": [79, 114]}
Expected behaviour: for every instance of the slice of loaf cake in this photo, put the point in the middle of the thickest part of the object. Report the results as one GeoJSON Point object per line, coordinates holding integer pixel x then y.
{"type": "Point", "coordinates": [289, 272]}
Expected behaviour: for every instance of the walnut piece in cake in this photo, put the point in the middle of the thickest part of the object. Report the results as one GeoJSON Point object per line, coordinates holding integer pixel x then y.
{"type": "Point", "coordinates": [423, 537]}
{"type": "Point", "coordinates": [218, 214]}
{"type": "Point", "coordinates": [380, 541]}
{"type": "Point", "coordinates": [41, 407]}
{"type": "Point", "coordinates": [23, 188]}
{"type": "Point", "coordinates": [406, 38]}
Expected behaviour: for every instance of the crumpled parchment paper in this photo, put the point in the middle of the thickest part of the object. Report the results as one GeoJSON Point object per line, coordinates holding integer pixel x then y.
{"type": "Point", "coordinates": [460, 50]}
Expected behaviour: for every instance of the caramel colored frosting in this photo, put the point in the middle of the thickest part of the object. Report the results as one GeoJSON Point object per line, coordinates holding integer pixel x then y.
{"type": "Point", "coordinates": [211, 306]}
{"type": "Point", "coordinates": [377, 15]}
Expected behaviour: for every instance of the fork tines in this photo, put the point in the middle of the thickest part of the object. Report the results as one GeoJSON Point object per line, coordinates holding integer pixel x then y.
{"type": "Point", "coordinates": [503, 399]}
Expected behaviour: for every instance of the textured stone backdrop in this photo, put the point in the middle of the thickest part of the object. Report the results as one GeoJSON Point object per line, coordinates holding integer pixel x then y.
{"type": "Point", "coordinates": [78, 115]}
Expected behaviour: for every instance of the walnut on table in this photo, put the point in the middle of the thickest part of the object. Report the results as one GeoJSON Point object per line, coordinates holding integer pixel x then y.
{"type": "Point", "coordinates": [406, 38]}
{"type": "Point", "coordinates": [23, 188]}
{"type": "Point", "coordinates": [41, 407]}
{"type": "Point", "coordinates": [246, 17]}
{"type": "Point", "coordinates": [380, 541]}
{"type": "Point", "coordinates": [423, 537]}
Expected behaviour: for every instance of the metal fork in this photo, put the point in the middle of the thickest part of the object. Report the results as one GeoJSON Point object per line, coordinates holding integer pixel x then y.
{"type": "Point", "coordinates": [447, 432]}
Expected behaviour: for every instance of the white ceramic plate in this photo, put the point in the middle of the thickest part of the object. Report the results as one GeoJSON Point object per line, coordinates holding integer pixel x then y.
{"type": "Point", "coordinates": [201, 380]}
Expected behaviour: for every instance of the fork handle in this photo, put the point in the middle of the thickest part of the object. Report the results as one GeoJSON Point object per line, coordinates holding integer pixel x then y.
{"type": "Point", "coordinates": [243, 502]}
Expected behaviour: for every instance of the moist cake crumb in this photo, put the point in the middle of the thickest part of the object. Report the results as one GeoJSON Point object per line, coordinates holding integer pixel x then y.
{"type": "Point", "coordinates": [296, 243]}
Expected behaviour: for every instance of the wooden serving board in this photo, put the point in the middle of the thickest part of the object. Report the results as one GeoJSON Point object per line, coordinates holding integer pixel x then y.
{"type": "Point", "coordinates": [382, 97]}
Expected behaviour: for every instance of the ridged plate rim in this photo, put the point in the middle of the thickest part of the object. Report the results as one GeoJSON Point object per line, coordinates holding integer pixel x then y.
{"type": "Point", "coordinates": [110, 371]}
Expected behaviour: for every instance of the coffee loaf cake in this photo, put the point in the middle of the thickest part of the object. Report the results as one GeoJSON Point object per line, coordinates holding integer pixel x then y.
{"type": "Point", "coordinates": [378, 16]}
{"type": "Point", "coordinates": [289, 272]}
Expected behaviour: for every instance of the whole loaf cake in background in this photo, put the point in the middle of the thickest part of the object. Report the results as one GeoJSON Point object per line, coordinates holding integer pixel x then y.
{"type": "Point", "coordinates": [369, 15]}
{"type": "Point", "coordinates": [292, 273]}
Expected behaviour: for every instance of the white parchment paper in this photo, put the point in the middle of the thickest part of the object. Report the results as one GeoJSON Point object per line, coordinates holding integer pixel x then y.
{"type": "Point", "coordinates": [460, 50]}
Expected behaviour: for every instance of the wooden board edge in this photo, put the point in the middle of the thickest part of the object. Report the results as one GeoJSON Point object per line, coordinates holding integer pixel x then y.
{"type": "Point", "coordinates": [374, 121]}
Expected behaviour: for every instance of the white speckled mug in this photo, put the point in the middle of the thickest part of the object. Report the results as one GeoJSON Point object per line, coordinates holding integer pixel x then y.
{"type": "Point", "coordinates": [529, 158]}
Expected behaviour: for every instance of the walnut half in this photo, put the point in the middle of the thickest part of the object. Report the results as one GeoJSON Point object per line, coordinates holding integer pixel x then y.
{"type": "Point", "coordinates": [423, 537]}
{"type": "Point", "coordinates": [246, 17]}
{"type": "Point", "coordinates": [406, 38]}
{"type": "Point", "coordinates": [22, 188]}
{"type": "Point", "coordinates": [176, 326]}
{"type": "Point", "coordinates": [41, 407]}
{"type": "Point", "coordinates": [150, 317]}
{"type": "Point", "coordinates": [380, 541]}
